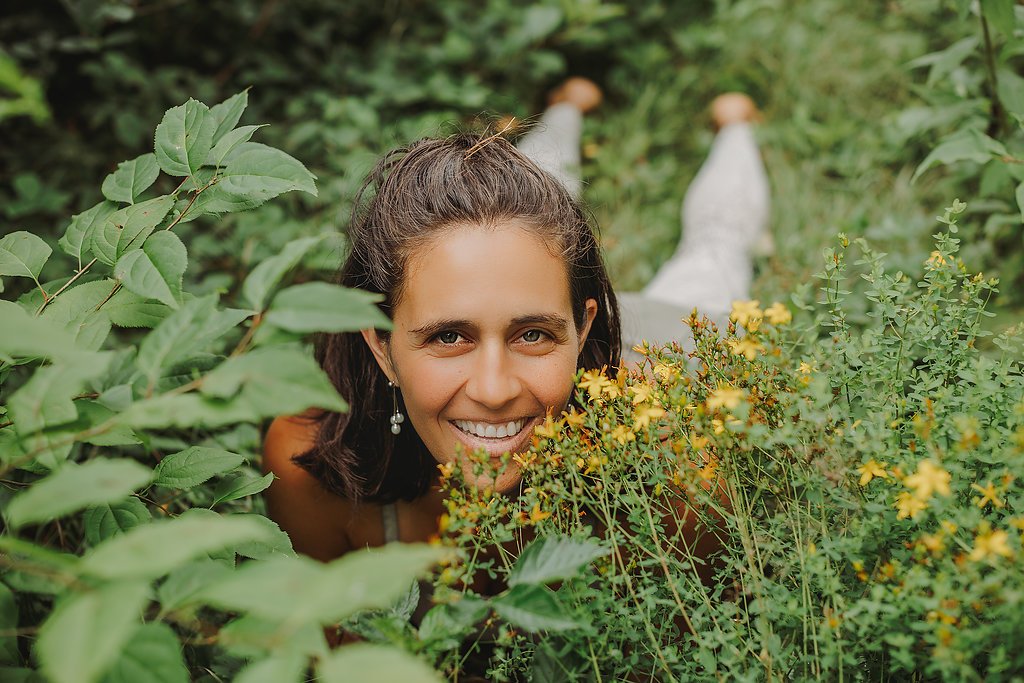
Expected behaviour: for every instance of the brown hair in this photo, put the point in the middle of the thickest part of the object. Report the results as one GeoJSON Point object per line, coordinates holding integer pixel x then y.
{"type": "Point", "coordinates": [410, 196]}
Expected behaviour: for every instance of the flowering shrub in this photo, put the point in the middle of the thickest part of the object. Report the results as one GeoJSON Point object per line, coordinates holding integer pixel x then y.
{"type": "Point", "coordinates": [794, 498]}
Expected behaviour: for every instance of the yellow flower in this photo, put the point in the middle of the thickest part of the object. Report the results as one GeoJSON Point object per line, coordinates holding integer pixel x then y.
{"type": "Point", "coordinates": [725, 396]}
{"type": "Point", "coordinates": [537, 515]}
{"type": "Point", "coordinates": [990, 544]}
{"type": "Point", "coordinates": [574, 419]}
{"type": "Point", "coordinates": [707, 473]}
{"type": "Point", "coordinates": [870, 470]}
{"type": "Point", "coordinates": [747, 347]}
{"type": "Point", "coordinates": [806, 368]}
{"type": "Point", "coordinates": [1017, 523]}
{"type": "Point", "coordinates": [447, 469]}
{"type": "Point", "coordinates": [698, 441]}
{"type": "Point", "coordinates": [643, 416]}
{"type": "Point", "coordinates": [622, 434]}
{"type": "Point", "coordinates": [641, 392]}
{"type": "Point", "coordinates": [929, 478]}
{"type": "Point", "coordinates": [548, 430]}
{"type": "Point", "coordinates": [747, 313]}
{"type": "Point", "coordinates": [524, 459]}
{"type": "Point", "coordinates": [948, 526]}
{"type": "Point", "coordinates": [778, 314]}
{"type": "Point", "coordinates": [594, 381]}
{"type": "Point", "coordinates": [933, 543]}
{"type": "Point", "coordinates": [717, 426]}
{"type": "Point", "coordinates": [935, 260]}
{"type": "Point", "coordinates": [908, 505]}
{"type": "Point", "coordinates": [988, 495]}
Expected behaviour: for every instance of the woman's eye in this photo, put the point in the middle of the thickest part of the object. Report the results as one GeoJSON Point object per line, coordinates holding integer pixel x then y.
{"type": "Point", "coordinates": [448, 337]}
{"type": "Point", "coordinates": [533, 336]}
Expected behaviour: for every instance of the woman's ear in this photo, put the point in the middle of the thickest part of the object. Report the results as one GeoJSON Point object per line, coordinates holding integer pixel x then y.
{"type": "Point", "coordinates": [379, 348]}
{"type": "Point", "coordinates": [591, 308]}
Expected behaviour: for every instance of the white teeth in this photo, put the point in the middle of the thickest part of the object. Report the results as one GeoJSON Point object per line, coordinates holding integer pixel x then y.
{"type": "Point", "coordinates": [490, 431]}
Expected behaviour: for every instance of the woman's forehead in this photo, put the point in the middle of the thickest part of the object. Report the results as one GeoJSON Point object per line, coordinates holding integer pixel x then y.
{"type": "Point", "coordinates": [500, 272]}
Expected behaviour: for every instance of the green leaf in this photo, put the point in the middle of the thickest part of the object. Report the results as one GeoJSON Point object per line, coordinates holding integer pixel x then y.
{"type": "Point", "coordinates": [375, 664]}
{"type": "Point", "coordinates": [1000, 14]}
{"type": "Point", "coordinates": [194, 465]}
{"type": "Point", "coordinates": [24, 336]}
{"type": "Point", "coordinates": [155, 271]}
{"type": "Point", "coordinates": [533, 608]}
{"type": "Point", "coordinates": [184, 137]}
{"type": "Point", "coordinates": [74, 487]}
{"type": "Point", "coordinates": [184, 584]}
{"type": "Point", "coordinates": [277, 543]}
{"type": "Point", "coordinates": [131, 179]}
{"type": "Point", "coordinates": [128, 309]}
{"type": "Point", "coordinates": [253, 174]}
{"type": "Point", "coordinates": [23, 254]}
{"type": "Point", "coordinates": [1020, 199]}
{"type": "Point", "coordinates": [106, 521]}
{"type": "Point", "coordinates": [323, 307]}
{"type": "Point", "coordinates": [273, 381]}
{"type": "Point", "coordinates": [9, 623]}
{"type": "Point", "coordinates": [299, 589]}
{"type": "Point", "coordinates": [174, 338]}
{"type": "Point", "coordinates": [9, 674]}
{"type": "Point", "coordinates": [227, 114]}
{"type": "Point", "coordinates": [446, 624]}
{"type": "Point", "coordinates": [553, 558]}
{"type": "Point", "coordinates": [969, 145]}
{"type": "Point", "coordinates": [265, 276]}
{"type": "Point", "coordinates": [87, 631]}
{"type": "Point", "coordinates": [78, 235]}
{"type": "Point", "coordinates": [93, 413]}
{"type": "Point", "coordinates": [239, 486]}
{"type": "Point", "coordinates": [128, 228]}
{"type": "Point", "coordinates": [155, 549]}
{"type": "Point", "coordinates": [282, 667]}
{"type": "Point", "coordinates": [153, 655]}
{"type": "Point", "coordinates": [230, 142]}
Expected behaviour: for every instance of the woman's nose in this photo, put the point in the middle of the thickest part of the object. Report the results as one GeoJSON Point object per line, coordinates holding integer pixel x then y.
{"type": "Point", "coordinates": [494, 382]}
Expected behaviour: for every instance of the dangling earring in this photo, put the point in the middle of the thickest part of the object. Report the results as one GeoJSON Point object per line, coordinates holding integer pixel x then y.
{"type": "Point", "coordinates": [397, 419]}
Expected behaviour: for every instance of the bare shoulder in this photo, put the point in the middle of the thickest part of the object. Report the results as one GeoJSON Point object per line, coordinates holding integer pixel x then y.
{"type": "Point", "coordinates": [314, 518]}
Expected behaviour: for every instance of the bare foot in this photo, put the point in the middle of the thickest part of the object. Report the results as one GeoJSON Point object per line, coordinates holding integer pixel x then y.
{"type": "Point", "coordinates": [580, 92]}
{"type": "Point", "coordinates": [733, 107]}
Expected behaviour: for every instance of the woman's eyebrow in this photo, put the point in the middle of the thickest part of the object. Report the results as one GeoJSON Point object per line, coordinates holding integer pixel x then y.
{"type": "Point", "coordinates": [556, 322]}
{"type": "Point", "coordinates": [437, 326]}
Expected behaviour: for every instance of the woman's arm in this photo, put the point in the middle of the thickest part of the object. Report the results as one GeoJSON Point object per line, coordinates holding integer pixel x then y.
{"type": "Point", "coordinates": [314, 518]}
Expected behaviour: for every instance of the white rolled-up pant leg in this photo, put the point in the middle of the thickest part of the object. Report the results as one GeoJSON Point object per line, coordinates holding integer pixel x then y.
{"type": "Point", "coordinates": [553, 143]}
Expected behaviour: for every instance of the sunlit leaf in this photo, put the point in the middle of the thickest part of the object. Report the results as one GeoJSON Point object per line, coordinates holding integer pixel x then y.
{"type": "Point", "coordinates": [23, 254]}
{"type": "Point", "coordinates": [155, 271]}
{"type": "Point", "coordinates": [131, 179]}
{"type": "Point", "coordinates": [266, 276]}
{"type": "Point", "coordinates": [184, 137]}
{"type": "Point", "coordinates": [193, 466]}
{"type": "Point", "coordinates": [551, 559]}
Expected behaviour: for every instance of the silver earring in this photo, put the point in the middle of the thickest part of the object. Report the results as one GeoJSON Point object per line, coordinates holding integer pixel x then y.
{"type": "Point", "coordinates": [397, 418]}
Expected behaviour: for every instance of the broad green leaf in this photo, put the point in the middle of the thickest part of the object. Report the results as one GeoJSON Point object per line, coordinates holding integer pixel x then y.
{"type": "Point", "coordinates": [155, 271]}
{"type": "Point", "coordinates": [227, 114]}
{"type": "Point", "coordinates": [8, 623]}
{"type": "Point", "coordinates": [24, 336]}
{"type": "Point", "coordinates": [1000, 14]}
{"type": "Point", "coordinates": [76, 310]}
{"type": "Point", "coordinates": [375, 664]}
{"type": "Point", "coordinates": [184, 137]}
{"type": "Point", "coordinates": [277, 543]}
{"type": "Point", "coordinates": [128, 309]}
{"type": "Point", "coordinates": [131, 179]}
{"type": "Point", "coordinates": [87, 631]}
{"type": "Point", "coordinates": [153, 550]}
{"type": "Point", "coordinates": [58, 561]}
{"type": "Point", "coordinates": [1020, 199]}
{"type": "Point", "coordinates": [969, 145]}
{"type": "Point", "coordinates": [78, 235]}
{"type": "Point", "coordinates": [554, 558]}
{"type": "Point", "coordinates": [448, 623]}
{"type": "Point", "coordinates": [184, 584]}
{"type": "Point", "coordinates": [266, 276]}
{"type": "Point", "coordinates": [193, 466]}
{"type": "Point", "coordinates": [74, 487]}
{"type": "Point", "coordinates": [153, 655]}
{"type": "Point", "coordinates": [10, 674]}
{"type": "Point", "coordinates": [93, 413]}
{"type": "Point", "coordinates": [299, 590]}
{"type": "Point", "coordinates": [323, 307]}
{"type": "Point", "coordinates": [240, 485]}
{"type": "Point", "coordinates": [253, 174]}
{"type": "Point", "coordinates": [282, 667]}
{"type": "Point", "coordinates": [172, 340]}
{"type": "Point", "coordinates": [533, 609]}
{"type": "Point", "coordinates": [106, 521]}
{"type": "Point", "coordinates": [230, 142]}
{"type": "Point", "coordinates": [273, 381]}
{"type": "Point", "coordinates": [128, 228]}
{"type": "Point", "coordinates": [23, 254]}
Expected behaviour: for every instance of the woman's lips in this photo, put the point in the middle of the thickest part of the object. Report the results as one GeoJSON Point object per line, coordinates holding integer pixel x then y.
{"type": "Point", "coordinates": [469, 433]}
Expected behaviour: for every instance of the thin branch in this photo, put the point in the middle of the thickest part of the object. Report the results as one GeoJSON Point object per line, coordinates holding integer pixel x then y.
{"type": "Point", "coordinates": [67, 284]}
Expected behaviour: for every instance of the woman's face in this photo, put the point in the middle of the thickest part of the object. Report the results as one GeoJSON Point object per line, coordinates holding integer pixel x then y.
{"type": "Point", "coordinates": [484, 344]}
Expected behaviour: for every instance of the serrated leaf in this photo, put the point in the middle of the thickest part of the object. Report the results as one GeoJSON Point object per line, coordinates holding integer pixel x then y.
{"type": "Point", "coordinates": [185, 583]}
{"type": "Point", "coordinates": [173, 338]}
{"type": "Point", "coordinates": [78, 235]}
{"type": "Point", "coordinates": [553, 558]}
{"type": "Point", "coordinates": [85, 633]}
{"type": "Point", "coordinates": [228, 113]}
{"type": "Point", "coordinates": [273, 381]}
{"type": "Point", "coordinates": [128, 309]}
{"type": "Point", "coordinates": [230, 142]}
{"type": "Point", "coordinates": [155, 271]}
{"type": "Point", "coordinates": [131, 179]}
{"type": "Point", "coordinates": [108, 520]}
{"type": "Point", "coordinates": [375, 664]}
{"type": "Point", "coordinates": [278, 542]}
{"type": "Point", "coordinates": [193, 466]}
{"type": "Point", "coordinates": [23, 254]}
{"type": "Point", "coordinates": [323, 307]}
{"type": "Point", "coordinates": [969, 145]}
{"type": "Point", "coordinates": [155, 549]}
{"type": "Point", "coordinates": [91, 414]}
{"type": "Point", "coordinates": [447, 623]}
{"type": "Point", "coordinates": [266, 276]}
{"type": "Point", "coordinates": [184, 137]}
{"type": "Point", "coordinates": [239, 486]}
{"type": "Point", "coordinates": [153, 655]}
{"type": "Point", "coordinates": [24, 336]}
{"type": "Point", "coordinates": [253, 174]}
{"type": "Point", "coordinates": [74, 487]}
{"type": "Point", "coordinates": [533, 608]}
{"type": "Point", "coordinates": [128, 228]}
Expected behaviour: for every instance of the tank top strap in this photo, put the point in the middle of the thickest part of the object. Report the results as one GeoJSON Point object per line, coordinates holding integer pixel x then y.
{"type": "Point", "coordinates": [389, 516]}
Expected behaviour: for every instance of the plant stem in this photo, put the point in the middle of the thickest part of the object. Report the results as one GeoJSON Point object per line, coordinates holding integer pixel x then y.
{"type": "Point", "coordinates": [80, 273]}
{"type": "Point", "coordinates": [999, 123]}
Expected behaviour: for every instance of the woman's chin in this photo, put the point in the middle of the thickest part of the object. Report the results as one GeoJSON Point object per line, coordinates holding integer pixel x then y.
{"type": "Point", "coordinates": [502, 477]}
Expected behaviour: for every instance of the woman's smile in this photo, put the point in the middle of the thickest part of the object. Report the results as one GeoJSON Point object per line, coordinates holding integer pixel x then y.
{"type": "Point", "coordinates": [496, 438]}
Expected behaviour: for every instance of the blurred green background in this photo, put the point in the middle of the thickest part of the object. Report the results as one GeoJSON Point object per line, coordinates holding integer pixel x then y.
{"type": "Point", "coordinates": [855, 95]}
